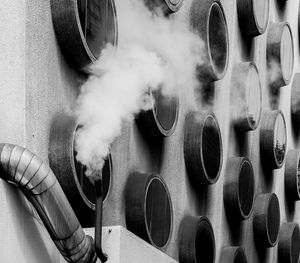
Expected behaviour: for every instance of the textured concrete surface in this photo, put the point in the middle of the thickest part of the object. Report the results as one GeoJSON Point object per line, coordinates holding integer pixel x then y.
{"type": "Point", "coordinates": [36, 83]}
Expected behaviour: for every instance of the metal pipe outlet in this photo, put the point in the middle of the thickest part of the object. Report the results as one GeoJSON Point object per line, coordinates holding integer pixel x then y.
{"type": "Point", "coordinates": [36, 180]}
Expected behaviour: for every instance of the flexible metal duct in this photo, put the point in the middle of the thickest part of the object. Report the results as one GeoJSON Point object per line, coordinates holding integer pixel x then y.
{"type": "Point", "coordinates": [34, 177]}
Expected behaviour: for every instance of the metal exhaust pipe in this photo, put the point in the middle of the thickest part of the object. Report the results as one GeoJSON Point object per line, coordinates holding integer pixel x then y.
{"type": "Point", "coordinates": [36, 180]}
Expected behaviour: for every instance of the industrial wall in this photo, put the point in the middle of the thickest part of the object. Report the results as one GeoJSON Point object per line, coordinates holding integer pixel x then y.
{"type": "Point", "coordinates": [37, 83]}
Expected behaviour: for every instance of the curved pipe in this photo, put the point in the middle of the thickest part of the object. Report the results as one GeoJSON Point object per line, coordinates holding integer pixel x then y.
{"type": "Point", "coordinates": [36, 180]}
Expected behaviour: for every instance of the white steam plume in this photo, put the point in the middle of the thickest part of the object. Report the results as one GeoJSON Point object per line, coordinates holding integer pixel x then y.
{"type": "Point", "coordinates": [153, 52]}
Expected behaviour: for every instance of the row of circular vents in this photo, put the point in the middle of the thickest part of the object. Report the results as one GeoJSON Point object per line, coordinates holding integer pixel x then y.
{"type": "Point", "coordinates": [82, 33]}
{"type": "Point", "coordinates": [203, 144]}
{"type": "Point", "coordinates": [208, 19]}
{"type": "Point", "coordinates": [148, 206]}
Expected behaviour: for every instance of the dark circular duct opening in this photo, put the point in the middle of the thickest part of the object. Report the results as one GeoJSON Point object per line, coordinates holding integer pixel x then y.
{"type": "Point", "coordinates": [158, 212]}
{"type": "Point", "coordinates": [273, 139]}
{"type": "Point", "coordinates": [196, 240]}
{"type": "Point", "coordinates": [90, 26]}
{"type": "Point", "coordinates": [266, 220]}
{"type": "Point", "coordinates": [161, 120]}
{"type": "Point", "coordinates": [239, 188]}
{"type": "Point", "coordinates": [292, 175]}
{"type": "Point", "coordinates": [97, 32]}
{"type": "Point", "coordinates": [233, 255]}
{"type": "Point", "coordinates": [70, 173]}
{"type": "Point", "coordinates": [287, 53]}
{"type": "Point", "coordinates": [217, 31]}
{"type": "Point", "coordinates": [246, 96]}
{"type": "Point", "coordinates": [165, 111]}
{"type": "Point", "coordinates": [87, 187]}
{"type": "Point", "coordinates": [202, 147]}
{"type": "Point", "coordinates": [253, 16]}
{"type": "Point", "coordinates": [289, 243]}
{"type": "Point", "coordinates": [273, 221]}
{"type": "Point", "coordinates": [208, 20]}
{"type": "Point", "coordinates": [280, 54]}
{"type": "Point", "coordinates": [148, 208]}
{"type": "Point", "coordinates": [295, 249]}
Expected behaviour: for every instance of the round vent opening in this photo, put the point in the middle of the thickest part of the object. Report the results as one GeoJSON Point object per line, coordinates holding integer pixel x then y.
{"type": "Point", "coordinates": [148, 208]}
{"type": "Point", "coordinates": [253, 16]}
{"type": "Point", "coordinates": [266, 220]}
{"type": "Point", "coordinates": [161, 120]}
{"type": "Point", "coordinates": [239, 188]}
{"type": "Point", "coordinates": [280, 54]}
{"type": "Point", "coordinates": [202, 147]}
{"type": "Point", "coordinates": [289, 243]}
{"type": "Point", "coordinates": [273, 139]}
{"type": "Point", "coordinates": [208, 20]}
{"type": "Point", "coordinates": [246, 96]}
{"type": "Point", "coordinates": [90, 24]}
{"type": "Point", "coordinates": [70, 173]}
{"type": "Point", "coordinates": [196, 240]}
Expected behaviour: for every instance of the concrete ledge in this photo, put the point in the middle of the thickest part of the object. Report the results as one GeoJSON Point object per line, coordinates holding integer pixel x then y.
{"type": "Point", "coordinates": [122, 246]}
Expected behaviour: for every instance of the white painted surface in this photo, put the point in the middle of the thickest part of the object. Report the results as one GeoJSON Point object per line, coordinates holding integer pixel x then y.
{"type": "Point", "coordinates": [122, 246]}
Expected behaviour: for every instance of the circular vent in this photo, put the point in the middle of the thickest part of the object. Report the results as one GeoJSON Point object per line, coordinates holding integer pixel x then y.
{"type": "Point", "coordinates": [148, 208]}
{"type": "Point", "coordinates": [202, 147]}
{"type": "Point", "coordinates": [266, 219]}
{"type": "Point", "coordinates": [280, 54]}
{"type": "Point", "coordinates": [239, 188]}
{"type": "Point", "coordinates": [208, 19]}
{"type": "Point", "coordinates": [273, 139]}
{"type": "Point", "coordinates": [83, 28]}
{"type": "Point", "coordinates": [196, 240]}
{"type": "Point", "coordinates": [289, 243]}
{"type": "Point", "coordinates": [246, 96]}
{"type": "Point", "coordinates": [253, 16]}
{"type": "Point", "coordinates": [70, 173]}
{"type": "Point", "coordinates": [161, 120]}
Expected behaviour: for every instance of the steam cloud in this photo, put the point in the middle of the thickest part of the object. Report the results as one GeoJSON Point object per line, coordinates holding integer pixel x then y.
{"type": "Point", "coordinates": [153, 52]}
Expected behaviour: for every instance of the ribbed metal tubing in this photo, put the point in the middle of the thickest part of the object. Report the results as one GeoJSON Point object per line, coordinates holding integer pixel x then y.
{"type": "Point", "coordinates": [36, 180]}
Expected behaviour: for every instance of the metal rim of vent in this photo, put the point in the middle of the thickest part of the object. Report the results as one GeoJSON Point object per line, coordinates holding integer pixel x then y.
{"type": "Point", "coordinates": [161, 120]}
{"type": "Point", "coordinates": [279, 36]}
{"type": "Point", "coordinates": [286, 71]}
{"type": "Point", "coordinates": [261, 27]}
{"type": "Point", "coordinates": [205, 16]}
{"type": "Point", "coordinates": [245, 72]}
{"type": "Point", "coordinates": [273, 153]}
{"type": "Point", "coordinates": [289, 243]}
{"type": "Point", "coordinates": [266, 221]}
{"type": "Point", "coordinates": [196, 240]}
{"type": "Point", "coordinates": [66, 18]}
{"type": "Point", "coordinates": [253, 18]}
{"type": "Point", "coordinates": [148, 224]}
{"type": "Point", "coordinates": [202, 147]}
{"type": "Point", "coordinates": [138, 192]}
{"type": "Point", "coordinates": [239, 188]}
{"type": "Point", "coordinates": [81, 179]}
{"type": "Point", "coordinates": [213, 41]}
{"type": "Point", "coordinates": [233, 255]}
{"type": "Point", "coordinates": [62, 162]}
{"type": "Point", "coordinates": [292, 175]}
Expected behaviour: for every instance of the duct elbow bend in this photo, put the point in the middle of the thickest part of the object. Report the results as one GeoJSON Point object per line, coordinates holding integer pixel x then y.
{"type": "Point", "coordinates": [36, 180]}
